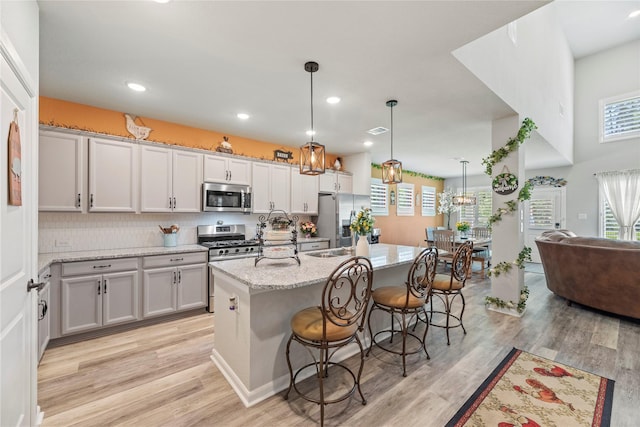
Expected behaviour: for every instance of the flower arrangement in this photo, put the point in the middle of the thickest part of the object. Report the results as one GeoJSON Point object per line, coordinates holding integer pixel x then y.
{"type": "Point", "coordinates": [363, 223]}
{"type": "Point", "coordinates": [308, 229]}
{"type": "Point", "coordinates": [463, 226]}
{"type": "Point", "coordinates": [446, 205]}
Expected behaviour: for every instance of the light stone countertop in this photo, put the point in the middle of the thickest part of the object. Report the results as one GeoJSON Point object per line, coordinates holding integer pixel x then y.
{"type": "Point", "coordinates": [278, 274]}
{"type": "Point", "coordinates": [311, 239]}
{"type": "Point", "coordinates": [46, 259]}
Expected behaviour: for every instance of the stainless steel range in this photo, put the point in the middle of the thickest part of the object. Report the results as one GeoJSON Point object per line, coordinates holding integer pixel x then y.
{"type": "Point", "coordinates": [225, 242]}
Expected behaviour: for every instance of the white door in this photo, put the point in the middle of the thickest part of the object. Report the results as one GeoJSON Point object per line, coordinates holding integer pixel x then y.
{"type": "Point", "coordinates": [544, 211]}
{"type": "Point", "coordinates": [113, 176]}
{"type": "Point", "coordinates": [155, 179]}
{"type": "Point", "coordinates": [280, 187]}
{"type": "Point", "coordinates": [187, 181]}
{"type": "Point", "coordinates": [18, 250]}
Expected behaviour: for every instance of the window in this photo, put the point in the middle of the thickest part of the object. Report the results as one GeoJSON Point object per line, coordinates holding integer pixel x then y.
{"type": "Point", "coordinates": [478, 214]}
{"type": "Point", "coordinates": [610, 226]}
{"type": "Point", "coordinates": [620, 117]}
{"type": "Point", "coordinates": [379, 204]}
{"type": "Point", "coordinates": [541, 214]}
{"type": "Point", "coordinates": [405, 200]}
{"type": "Point", "coordinates": [428, 201]}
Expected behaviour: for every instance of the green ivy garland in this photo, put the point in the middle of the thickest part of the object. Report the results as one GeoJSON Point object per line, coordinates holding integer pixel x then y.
{"type": "Point", "coordinates": [412, 173]}
{"type": "Point", "coordinates": [512, 205]}
{"type": "Point", "coordinates": [520, 306]}
{"type": "Point", "coordinates": [503, 267]}
{"type": "Point", "coordinates": [497, 155]}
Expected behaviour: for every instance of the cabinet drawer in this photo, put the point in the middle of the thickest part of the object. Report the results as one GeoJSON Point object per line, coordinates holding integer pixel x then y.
{"type": "Point", "coordinates": [99, 266]}
{"type": "Point", "coordinates": [175, 259]}
{"type": "Point", "coordinates": [311, 246]}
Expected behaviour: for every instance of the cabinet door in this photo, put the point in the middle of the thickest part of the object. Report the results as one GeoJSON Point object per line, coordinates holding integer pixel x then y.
{"type": "Point", "coordinates": [328, 182]}
{"type": "Point", "coordinates": [192, 286]}
{"type": "Point", "coordinates": [81, 303]}
{"type": "Point", "coordinates": [120, 297]}
{"type": "Point", "coordinates": [187, 181]}
{"type": "Point", "coordinates": [159, 293]}
{"type": "Point", "coordinates": [344, 183]}
{"type": "Point", "coordinates": [215, 169]}
{"type": "Point", "coordinates": [155, 179]}
{"type": "Point", "coordinates": [239, 171]}
{"type": "Point", "coordinates": [113, 176]}
{"type": "Point", "coordinates": [61, 169]}
{"type": "Point", "coordinates": [304, 193]}
{"type": "Point", "coordinates": [280, 187]}
{"type": "Point", "coordinates": [260, 184]}
{"type": "Point", "coordinates": [44, 319]}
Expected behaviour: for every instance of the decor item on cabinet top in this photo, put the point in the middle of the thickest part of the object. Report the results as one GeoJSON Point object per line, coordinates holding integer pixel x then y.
{"type": "Point", "coordinates": [446, 205]}
{"type": "Point", "coordinates": [225, 146]}
{"type": "Point", "coordinates": [139, 132]}
{"type": "Point", "coordinates": [337, 165]}
{"type": "Point", "coordinates": [363, 222]}
{"type": "Point", "coordinates": [309, 229]}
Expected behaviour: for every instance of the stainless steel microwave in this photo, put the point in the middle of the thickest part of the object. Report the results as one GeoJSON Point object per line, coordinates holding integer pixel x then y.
{"type": "Point", "coordinates": [226, 198]}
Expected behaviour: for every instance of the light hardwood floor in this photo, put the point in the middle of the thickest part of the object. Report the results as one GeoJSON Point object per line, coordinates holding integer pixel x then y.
{"type": "Point", "coordinates": [162, 375]}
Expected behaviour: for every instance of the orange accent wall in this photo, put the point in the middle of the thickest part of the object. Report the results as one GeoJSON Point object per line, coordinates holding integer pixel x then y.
{"type": "Point", "coordinates": [55, 112]}
{"type": "Point", "coordinates": [407, 230]}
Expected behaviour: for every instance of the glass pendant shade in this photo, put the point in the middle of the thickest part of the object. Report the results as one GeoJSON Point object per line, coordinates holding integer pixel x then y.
{"type": "Point", "coordinates": [312, 159]}
{"type": "Point", "coordinates": [464, 199]}
{"type": "Point", "coordinates": [311, 154]}
{"type": "Point", "coordinates": [392, 169]}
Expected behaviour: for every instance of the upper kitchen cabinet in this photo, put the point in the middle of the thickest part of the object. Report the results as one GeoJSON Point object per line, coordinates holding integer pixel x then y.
{"type": "Point", "coordinates": [227, 170]}
{"type": "Point", "coordinates": [113, 176]}
{"type": "Point", "coordinates": [336, 182]}
{"type": "Point", "coordinates": [170, 180]}
{"type": "Point", "coordinates": [304, 193]}
{"type": "Point", "coordinates": [270, 187]}
{"type": "Point", "coordinates": [62, 169]}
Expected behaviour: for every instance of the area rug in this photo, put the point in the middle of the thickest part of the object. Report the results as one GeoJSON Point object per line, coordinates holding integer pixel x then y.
{"type": "Point", "coordinates": [531, 391]}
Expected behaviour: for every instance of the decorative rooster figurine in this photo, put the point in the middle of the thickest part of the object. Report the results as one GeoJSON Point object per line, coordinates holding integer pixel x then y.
{"type": "Point", "coordinates": [140, 132]}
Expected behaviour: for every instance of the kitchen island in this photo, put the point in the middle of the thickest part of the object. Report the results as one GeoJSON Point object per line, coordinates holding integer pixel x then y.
{"type": "Point", "coordinates": [254, 304]}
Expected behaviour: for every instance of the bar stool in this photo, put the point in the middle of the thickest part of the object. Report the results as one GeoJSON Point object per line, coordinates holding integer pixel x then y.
{"type": "Point", "coordinates": [332, 325]}
{"type": "Point", "coordinates": [448, 286]}
{"type": "Point", "coordinates": [406, 300]}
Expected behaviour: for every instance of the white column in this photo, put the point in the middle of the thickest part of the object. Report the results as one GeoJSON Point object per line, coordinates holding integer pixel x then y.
{"type": "Point", "coordinates": [507, 236]}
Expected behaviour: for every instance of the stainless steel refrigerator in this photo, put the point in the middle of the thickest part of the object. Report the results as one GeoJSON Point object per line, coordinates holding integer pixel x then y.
{"type": "Point", "coordinates": [335, 213]}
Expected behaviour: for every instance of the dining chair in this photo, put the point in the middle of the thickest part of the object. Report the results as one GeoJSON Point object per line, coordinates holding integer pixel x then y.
{"type": "Point", "coordinates": [405, 303]}
{"type": "Point", "coordinates": [482, 253]}
{"type": "Point", "coordinates": [449, 286]}
{"type": "Point", "coordinates": [335, 323]}
{"type": "Point", "coordinates": [444, 241]}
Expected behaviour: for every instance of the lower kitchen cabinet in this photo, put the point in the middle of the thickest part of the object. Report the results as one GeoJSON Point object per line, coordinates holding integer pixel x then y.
{"type": "Point", "coordinates": [174, 288]}
{"type": "Point", "coordinates": [44, 317]}
{"type": "Point", "coordinates": [91, 302]}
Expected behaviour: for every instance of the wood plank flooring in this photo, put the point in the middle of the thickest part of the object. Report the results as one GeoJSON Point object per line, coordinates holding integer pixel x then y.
{"type": "Point", "coordinates": [161, 375]}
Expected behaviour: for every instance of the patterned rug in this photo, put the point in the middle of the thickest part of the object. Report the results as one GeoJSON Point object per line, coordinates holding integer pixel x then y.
{"type": "Point", "coordinates": [531, 391]}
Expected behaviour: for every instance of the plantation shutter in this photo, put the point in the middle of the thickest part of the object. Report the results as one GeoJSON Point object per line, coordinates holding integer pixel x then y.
{"type": "Point", "coordinates": [428, 201]}
{"type": "Point", "coordinates": [379, 205]}
{"type": "Point", "coordinates": [541, 213]}
{"type": "Point", "coordinates": [620, 117]}
{"type": "Point", "coordinates": [405, 200]}
{"type": "Point", "coordinates": [611, 227]}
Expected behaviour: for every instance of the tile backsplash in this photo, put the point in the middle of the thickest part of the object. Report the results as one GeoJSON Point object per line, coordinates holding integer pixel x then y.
{"type": "Point", "coordinates": [66, 232]}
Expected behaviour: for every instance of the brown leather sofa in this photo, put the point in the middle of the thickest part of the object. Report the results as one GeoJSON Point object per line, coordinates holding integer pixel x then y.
{"type": "Point", "coordinates": [596, 272]}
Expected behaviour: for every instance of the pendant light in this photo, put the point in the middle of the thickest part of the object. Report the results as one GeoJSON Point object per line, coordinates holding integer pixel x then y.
{"type": "Point", "coordinates": [463, 199]}
{"type": "Point", "coordinates": [392, 169]}
{"type": "Point", "coordinates": [311, 153]}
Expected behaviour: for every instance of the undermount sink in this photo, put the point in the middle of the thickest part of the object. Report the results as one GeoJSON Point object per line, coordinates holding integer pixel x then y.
{"type": "Point", "coordinates": [331, 253]}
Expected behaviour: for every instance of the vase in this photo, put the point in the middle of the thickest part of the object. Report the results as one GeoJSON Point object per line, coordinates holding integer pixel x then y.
{"type": "Point", "coordinates": [362, 248]}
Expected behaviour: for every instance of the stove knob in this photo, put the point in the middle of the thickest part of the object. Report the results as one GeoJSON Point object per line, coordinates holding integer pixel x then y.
{"type": "Point", "coordinates": [220, 252]}
{"type": "Point", "coordinates": [237, 250]}
{"type": "Point", "coordinates": [226, 251]}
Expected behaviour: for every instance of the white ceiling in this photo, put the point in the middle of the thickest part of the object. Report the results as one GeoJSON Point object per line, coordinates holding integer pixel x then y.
{"type": "Point", "coordinates": [204, 61]}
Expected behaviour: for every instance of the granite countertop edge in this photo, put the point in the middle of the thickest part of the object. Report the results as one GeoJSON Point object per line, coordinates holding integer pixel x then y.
{"type": "Point", "coordinates": [46, 259]}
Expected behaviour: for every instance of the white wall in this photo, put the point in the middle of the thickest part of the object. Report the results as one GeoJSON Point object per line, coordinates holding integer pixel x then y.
{"type": "Point", "coordinates": [533, 75]}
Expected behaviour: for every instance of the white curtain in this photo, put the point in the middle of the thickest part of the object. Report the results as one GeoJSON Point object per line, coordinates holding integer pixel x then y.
{"type": "Point", "coordinates": [622, 190]}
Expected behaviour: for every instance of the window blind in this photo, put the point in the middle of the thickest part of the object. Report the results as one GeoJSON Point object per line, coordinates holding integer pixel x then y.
{"type": "Point", "coordinates": [428, 201]}
{"type": "Point", "coordinates": [405, 205]}
{"type": "Point", "coordinates": [379, 200]}
{"type": "Point", "coordinates": [620, 117]}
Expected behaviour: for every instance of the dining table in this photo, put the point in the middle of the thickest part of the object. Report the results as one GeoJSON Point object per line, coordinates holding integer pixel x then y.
{"type": "Point", "coordinates": [478, 242]}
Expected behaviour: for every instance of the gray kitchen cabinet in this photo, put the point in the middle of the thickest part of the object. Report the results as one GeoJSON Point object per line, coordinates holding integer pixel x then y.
{"type": "Point", "coordinates": [335, 182]}
{"type": "Point", "coordinates": [270, 187]}
{"type": "Point", "coordinates": [304, 193]}
{"type": "Point", "coordinates": [101, 299]}
{"type": "Point", "coordinates": [113, 176]}
{"type": "Point", "coordinates": [170, 180]}
{"type": "Point", "coordinates": [227, 170]}
{"type": "Point", "coordinates": [312, 246]}
{"type": "Point", "coordinates": [62, 172]}
{"type": "Point", "coordinates": [173, 283]}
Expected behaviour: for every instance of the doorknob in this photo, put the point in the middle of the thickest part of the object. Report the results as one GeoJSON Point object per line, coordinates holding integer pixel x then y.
{"type": "Point", "coordinates": [32, 285]}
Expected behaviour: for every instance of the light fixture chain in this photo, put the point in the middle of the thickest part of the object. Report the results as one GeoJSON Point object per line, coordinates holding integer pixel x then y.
{"type": "Point", "coordinates": [392, 132]}
{"type": "Point", "coordinates": [312, 132]}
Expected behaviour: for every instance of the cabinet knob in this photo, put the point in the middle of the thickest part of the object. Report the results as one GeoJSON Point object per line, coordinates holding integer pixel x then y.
{"type": "Point", "coordinates": [78, 201]}
{"type": "Point", "coordinates": [98, 287]}
{"type": "Point", "coordinates": [91, 201]}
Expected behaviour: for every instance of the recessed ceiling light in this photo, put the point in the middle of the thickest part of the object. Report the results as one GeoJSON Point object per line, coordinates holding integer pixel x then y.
{"type": "Point", "coordinates": [377, 131]}
{"type": "Point", "coordinates": [634, 14]}
{"type": "Point", "coordinates": [367, 143]}
{"type": "Point", "coordinates": [243, 116]}
{"type": "Point", "coordinates": [137, 87]}
{"type": "Point", "coordinates": [162, 1]}
{"type": "Point", "coordinates": [311, 132]}
{"type": "Point", "coordinates": [333, 100]}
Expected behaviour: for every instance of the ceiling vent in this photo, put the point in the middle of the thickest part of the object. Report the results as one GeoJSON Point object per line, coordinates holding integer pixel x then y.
{"type": "Point", "coordinates": [377, 131]}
